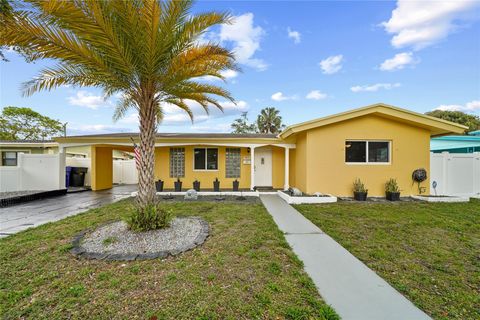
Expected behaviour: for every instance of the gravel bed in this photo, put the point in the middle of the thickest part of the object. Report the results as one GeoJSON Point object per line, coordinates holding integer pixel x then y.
{"type": "Point", "coordinates": [114, 241]}
{"type": "Point", "coordinates": [14, 194]}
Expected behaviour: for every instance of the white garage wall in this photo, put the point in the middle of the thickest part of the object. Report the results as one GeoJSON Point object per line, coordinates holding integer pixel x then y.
{"type": "Point", "coordinates": [34, 172]}
{"type": "Point", "coordinates": [455, 173]}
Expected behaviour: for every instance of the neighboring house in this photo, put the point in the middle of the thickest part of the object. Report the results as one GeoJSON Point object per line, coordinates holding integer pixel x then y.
{"type": "Point", "coordinates": [9, 150]}
{"type": "Point", "coordinates": [373, 143]}
{"type": "Point", "coordinates": [457, 144]}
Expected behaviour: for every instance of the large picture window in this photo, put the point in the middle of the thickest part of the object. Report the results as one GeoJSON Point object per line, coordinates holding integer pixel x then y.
{"type": "Point", "coordinates": [205, 159]}
{"type": "Point", "coordinates": [177, 162]}
{"type": "Point", "coordinates": [232, 163]}
{"type": "Point", "coordinates": [367, 151]}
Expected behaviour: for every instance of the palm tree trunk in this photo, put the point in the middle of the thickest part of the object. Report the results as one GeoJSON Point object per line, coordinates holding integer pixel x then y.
{"type": "Point", "coordinates": [146, 168]}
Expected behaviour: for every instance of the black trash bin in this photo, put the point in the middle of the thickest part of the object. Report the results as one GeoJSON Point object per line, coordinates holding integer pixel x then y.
{"type": "Point", "coordinates": [68, 170]}
{"type": "Point", "coordinates": [77, 176]}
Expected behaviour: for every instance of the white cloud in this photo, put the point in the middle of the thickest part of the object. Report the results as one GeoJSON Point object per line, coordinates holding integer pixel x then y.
{"type": "Point", "coordinates": [279, 96]}
{"type": "Point", "coordinates": [331, 64]}
{"type": "Point", "coordinates": [95, 129]}
{"type": "Point", "coordinates": [245, 38]}
{"type": "Point", "coordinates": [173, 115]}
{"type": "Point", "coordinates": [295, 35]}
{"type": "Point", "coordinates": [472, 106]}
{"type": "Point", "coordinates": [88, 100]}
{"type": "Point", "coordinates": [217, 127]}
{"type": "Point", "coordinates": [227, 74]}
{"type": "Point", "coordinates": [419, 24]}
{"type": "Point", "coordinates": [316, 95]}
{"type": "Point", "coordinates": [399, 61]}
{"type": "Point", "coordinates": [375, 87]}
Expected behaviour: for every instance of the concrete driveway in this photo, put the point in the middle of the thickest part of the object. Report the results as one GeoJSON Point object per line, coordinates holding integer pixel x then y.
{"type": "Point", "coordinates": [32, 214]}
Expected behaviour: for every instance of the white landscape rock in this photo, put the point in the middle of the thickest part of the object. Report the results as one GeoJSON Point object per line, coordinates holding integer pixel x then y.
{"type": "Point", "coordinates": [191, 194]}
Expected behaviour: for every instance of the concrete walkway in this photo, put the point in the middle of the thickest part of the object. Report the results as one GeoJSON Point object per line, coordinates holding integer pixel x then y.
{"type": "Point", "coordinates": [34, 213]}
{"type": "Point", "coordinates": [344, 282]}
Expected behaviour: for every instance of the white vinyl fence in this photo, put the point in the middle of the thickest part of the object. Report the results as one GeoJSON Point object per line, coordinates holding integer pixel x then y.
{"type": "Point", "coordinates": [34, 172]}
{"type": "Point", "coordinates": [456, 174]}
{"type": "Point", "coordinates": [125, 172]}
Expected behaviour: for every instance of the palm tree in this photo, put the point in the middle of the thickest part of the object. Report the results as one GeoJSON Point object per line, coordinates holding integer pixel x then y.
{"type": "Point", "coordinates": [147, 50]}
{"type": "Point", "coordinates": [269, 121]}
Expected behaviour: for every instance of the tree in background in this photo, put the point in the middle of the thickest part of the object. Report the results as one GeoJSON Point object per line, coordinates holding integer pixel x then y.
{"type": "Point", "coordinates": [26, 124]}
{"type": "Point", "coordinates": [241, 125]}
{"type": "Point", "coordinates": [147, 50]}
{"type": "Point", "coordinates": [469, 120]}
{"type": "Point", "coordinates": [270, 121]}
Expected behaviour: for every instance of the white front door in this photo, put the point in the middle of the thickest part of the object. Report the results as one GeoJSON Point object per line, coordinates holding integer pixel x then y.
{"type": "Point", "coordinates": [263, 167]}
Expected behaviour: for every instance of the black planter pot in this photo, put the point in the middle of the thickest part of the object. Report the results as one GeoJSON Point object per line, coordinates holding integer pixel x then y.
{"type": "Point", "coordinates": [159, 185]}
{"type": "Point", "coordinates": [216, 185]}
{"type": "Point", "coordinates": [196, 185]}
{"type": "Point", "coordinates": [360, 196]}
{"type": "Point", "coordinates": [392, 196]}
{"type": "Point", "coordinates": [178, 186]}
{"type": "Point", "coordinates": [236, 184]}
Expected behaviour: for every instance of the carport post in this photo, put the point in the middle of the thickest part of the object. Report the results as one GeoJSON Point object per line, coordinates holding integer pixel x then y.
{"type": "Point", "coordinates": [62, 161]}
{"type": "Point", "coordinates": [287, 167]}
{"type": "Point", "coordinates": [252, 167]}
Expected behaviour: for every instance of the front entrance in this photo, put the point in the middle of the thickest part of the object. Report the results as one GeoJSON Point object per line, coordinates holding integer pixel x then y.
{"type": "Point", "coordinates": [263, 167]}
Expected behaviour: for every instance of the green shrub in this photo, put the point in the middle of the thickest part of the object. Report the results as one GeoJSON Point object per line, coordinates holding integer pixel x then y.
{"type": "Point", "coordinates": [392, 186]}
{"type": "Point", "coordinates": [151, 217]}
{"type": "Point", "coordinates": [358, 186]}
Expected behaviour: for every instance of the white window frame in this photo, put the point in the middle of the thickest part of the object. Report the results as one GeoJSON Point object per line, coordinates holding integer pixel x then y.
{"type": "Point", "coordinates": [366, 155]}
{"type": "Point", "coordinates": [206, 161]}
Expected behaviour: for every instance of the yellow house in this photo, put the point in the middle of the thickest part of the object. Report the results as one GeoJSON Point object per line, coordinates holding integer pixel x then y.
{"type": "Point", "coordinates": [373, 143]}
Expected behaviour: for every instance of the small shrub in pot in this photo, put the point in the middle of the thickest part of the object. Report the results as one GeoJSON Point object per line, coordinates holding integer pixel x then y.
{"type": "Point", "coordinates": [216, 185]}
{"type": "Point", "coordinates": [159, 185]}
{"type": "Point", "coordinates": [359, 191]}
{"type": "Point", "coordinates": [196, 185]}
{"type": "Point", "coordinates": [392, 191]}
{"type": "Point", "coordinates": [178, 185]}
{"type": "Point", "coordinates": [236, 184]}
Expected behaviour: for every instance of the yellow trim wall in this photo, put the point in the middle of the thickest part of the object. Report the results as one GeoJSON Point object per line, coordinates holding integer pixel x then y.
{"type": "Point", "coordinates": [102, 168]}
{"type": "Point", "coordinates": [278, 167]}
{"type": "Point", "coordinates": [301, 163]}
{"type": "Point", "coordinates": [323, 152]}
{"type": "Point", "coordinates": [206, 177]}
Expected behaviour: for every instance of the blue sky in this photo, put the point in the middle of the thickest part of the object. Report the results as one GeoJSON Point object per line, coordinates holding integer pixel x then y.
{"type": "Point", "coordinates": [308, 59]}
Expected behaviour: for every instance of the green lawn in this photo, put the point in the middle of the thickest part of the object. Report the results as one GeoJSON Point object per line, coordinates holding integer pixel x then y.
{"type": "Point", "coordinates": [429, 252]}
{"type": "Point", "coordinates": [245, 270]}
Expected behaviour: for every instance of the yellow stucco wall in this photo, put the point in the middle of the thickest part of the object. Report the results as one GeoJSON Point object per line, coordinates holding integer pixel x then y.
{"type": "Point", "coordinates": [206, 178]}
{"type": "Point", "coordinates": [300, 171]}
{"type": "Point", "coordinates": [102, 168]}
{"type": "Point", "coordinates": [278, 167]}
{"type": "Point", "coordinates": [323, 152]}
{"type": "Point", "coordinates": [292, 166]}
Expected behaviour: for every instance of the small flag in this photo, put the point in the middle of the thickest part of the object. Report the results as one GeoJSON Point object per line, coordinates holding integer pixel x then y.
{"type": "Point", "coordinates": [136, 150]}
